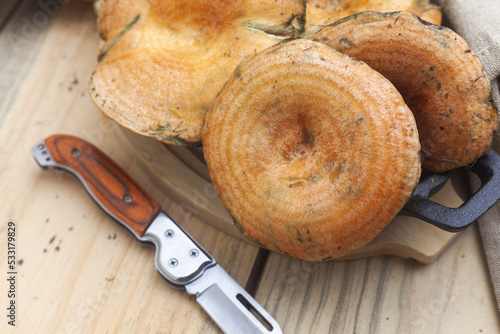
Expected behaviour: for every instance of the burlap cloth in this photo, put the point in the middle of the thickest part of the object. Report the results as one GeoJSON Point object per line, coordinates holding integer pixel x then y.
{"type": "Point", "coordinates": [478, 21]}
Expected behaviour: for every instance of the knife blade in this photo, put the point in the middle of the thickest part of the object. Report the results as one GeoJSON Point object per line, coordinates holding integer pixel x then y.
{"type": "Point", "coordinates": [179, 259]}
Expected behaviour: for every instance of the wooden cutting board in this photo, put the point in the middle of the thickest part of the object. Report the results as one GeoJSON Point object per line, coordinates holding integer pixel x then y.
{"type": "Point", "coordinates": [182, 176]}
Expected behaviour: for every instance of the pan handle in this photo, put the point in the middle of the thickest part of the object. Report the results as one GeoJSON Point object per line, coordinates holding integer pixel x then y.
{"type": "Point", "coordinates": [487, 168]}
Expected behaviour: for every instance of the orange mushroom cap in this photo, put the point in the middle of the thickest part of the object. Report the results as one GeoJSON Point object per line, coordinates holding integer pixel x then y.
{"type": "Point", "coordinates": [312, 152]}
{"type": "Point", "coordinates": [439, 76]}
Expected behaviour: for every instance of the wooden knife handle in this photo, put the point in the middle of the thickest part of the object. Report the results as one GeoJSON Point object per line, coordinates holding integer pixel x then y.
{"type": "Point", "coordinates": [113, 189]}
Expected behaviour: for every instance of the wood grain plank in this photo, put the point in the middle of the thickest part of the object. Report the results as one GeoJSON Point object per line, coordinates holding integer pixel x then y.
{"type": "Point", "coordinates": [21, 38]}
{"type": "Point", "coordinates": [80, 271]}
{"type": "Point", "coordinates": [384, 294]}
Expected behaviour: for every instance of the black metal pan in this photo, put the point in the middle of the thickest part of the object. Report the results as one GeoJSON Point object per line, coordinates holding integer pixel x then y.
{"type": "Point", "coordinates": [487, 168]}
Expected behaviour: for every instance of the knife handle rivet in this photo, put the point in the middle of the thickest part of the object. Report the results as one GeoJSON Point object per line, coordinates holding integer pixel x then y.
{"type": "Point", "coordinates": [169, 233]}
{"type": "Point", "coordinates": [41, 146]}
{"type": "Point", "coordinates": [75, 152]}
{"type": "Point", "coordinates": [127, 198]}
{"type": "Point", "coordinates": [173, 262]}
{"type": "Point", "coordinates": [194, 252]}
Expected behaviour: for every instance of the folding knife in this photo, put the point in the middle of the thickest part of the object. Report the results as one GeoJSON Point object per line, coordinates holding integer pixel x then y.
{"type": "Point", "coordinates": [179, 259]}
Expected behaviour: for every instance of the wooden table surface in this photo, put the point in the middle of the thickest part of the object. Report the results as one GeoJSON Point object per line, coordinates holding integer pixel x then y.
{"type": "Point", "coordinates": [79, 272]}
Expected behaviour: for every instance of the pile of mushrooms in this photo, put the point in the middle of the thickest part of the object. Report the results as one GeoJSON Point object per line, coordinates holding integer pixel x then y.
{"type": "Point", "coordinates": [314, 135]}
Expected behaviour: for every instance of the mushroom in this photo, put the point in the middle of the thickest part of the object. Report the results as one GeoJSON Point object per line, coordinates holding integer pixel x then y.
{"type": "Point", "coordinates": [439, 76]}
{"type": "Point", "coordinates": [311, 151]}
{"type": "Point", "coordinates": [163, 62]}
{"type": "Point", "coordinates": [321, 12]}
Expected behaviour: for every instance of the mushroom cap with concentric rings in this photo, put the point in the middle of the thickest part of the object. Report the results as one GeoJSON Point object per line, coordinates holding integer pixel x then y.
{"type": "Point", "coordinates": [441, 79]}
{"type": "Point", "coordinates": [311, 152]}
